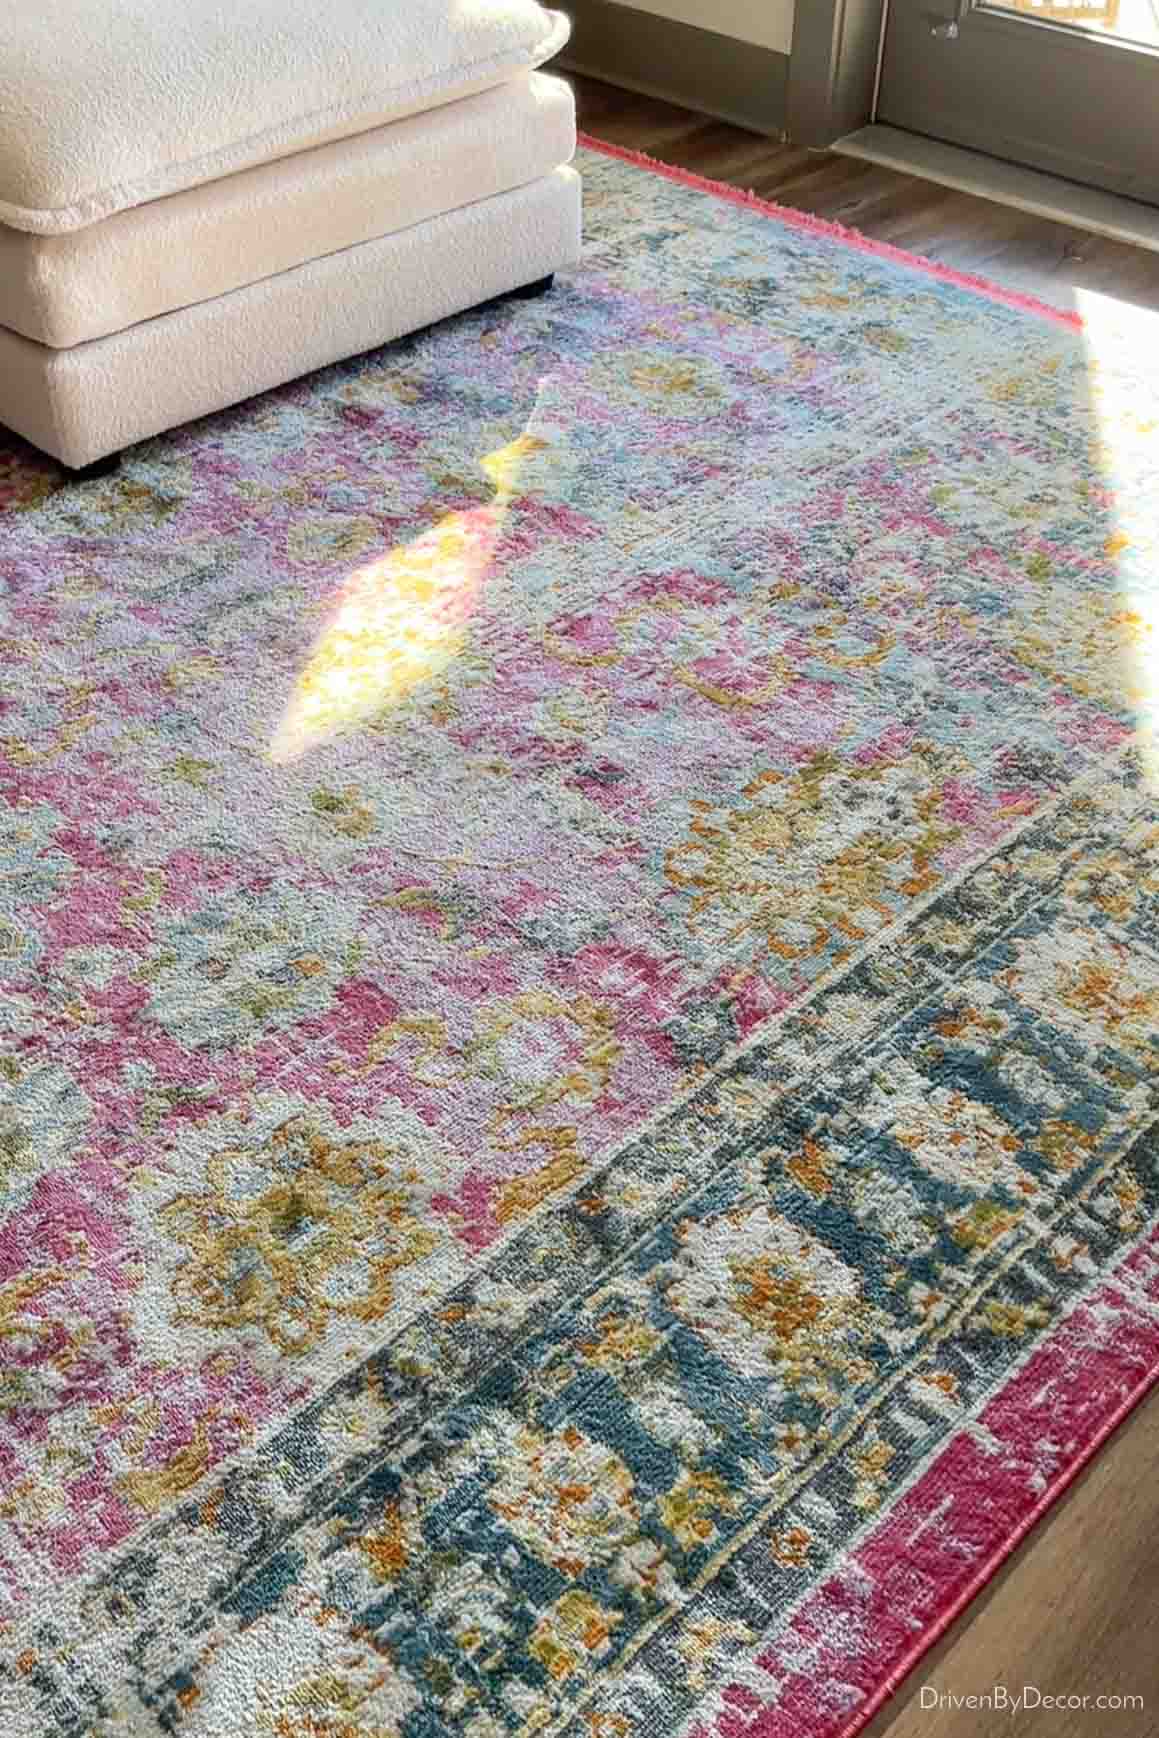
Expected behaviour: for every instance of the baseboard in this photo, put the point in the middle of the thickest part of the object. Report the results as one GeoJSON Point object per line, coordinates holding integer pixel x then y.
{"type": "Point", "coordinates": [660, 57]}
{"type": "Point", "coordinates": [1027, 190]}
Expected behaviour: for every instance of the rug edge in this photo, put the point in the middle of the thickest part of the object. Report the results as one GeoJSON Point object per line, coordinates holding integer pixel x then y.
{"type": "Point", "coordinates": [901, 1672]}
{"type": "Point", "coordinates": [765, 1724]}
{"type": "Point", "coordinates": [852, 238]}
{"type": "Point", "coordinates": [1051, 1497]}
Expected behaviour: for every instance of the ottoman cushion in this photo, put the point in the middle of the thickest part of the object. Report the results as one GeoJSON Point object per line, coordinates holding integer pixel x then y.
{"type": "Point", "coordinates": [105, 104]}
{"type": "Point", "coordinates": [67, 289]}
{"type": "Point", "coordinates": [94, 398]}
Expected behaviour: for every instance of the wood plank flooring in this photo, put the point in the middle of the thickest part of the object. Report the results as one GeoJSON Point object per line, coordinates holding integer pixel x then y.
{"type": "Point", "coordinates": [1025, 253]}
{"type": "Point", "coordinates": [1076, 1609]}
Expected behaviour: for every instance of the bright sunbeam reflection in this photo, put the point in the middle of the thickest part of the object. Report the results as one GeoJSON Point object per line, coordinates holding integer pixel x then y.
{"type": "Point", "coordinates": [401, 619]}
{"type": "Point", "coordinates": [1123, 358]}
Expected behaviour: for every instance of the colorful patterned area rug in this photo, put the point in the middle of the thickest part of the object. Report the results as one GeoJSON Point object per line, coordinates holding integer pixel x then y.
{"type": "Point", "coordinates": [578, 940]}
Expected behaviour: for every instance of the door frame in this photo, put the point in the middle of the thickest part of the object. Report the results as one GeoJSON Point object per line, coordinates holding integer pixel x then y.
{"type": "Point", "coordinates": [834, 67]}
{"type": "Point", "coordinates": [1028, 91]}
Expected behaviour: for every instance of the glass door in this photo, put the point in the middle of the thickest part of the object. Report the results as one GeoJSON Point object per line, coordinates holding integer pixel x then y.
{"type": "Point", "coordinates": [1067, 86]}
{"type": "Point", "coordinates": [1132, 21]}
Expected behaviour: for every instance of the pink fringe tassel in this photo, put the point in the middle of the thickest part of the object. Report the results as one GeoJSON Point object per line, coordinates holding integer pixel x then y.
{"type": "Point", "coordinates": [838, 232]}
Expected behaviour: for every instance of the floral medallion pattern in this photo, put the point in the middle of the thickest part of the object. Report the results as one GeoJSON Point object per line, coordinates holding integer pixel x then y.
{"type": "Point", "coordinates": [578, 966]}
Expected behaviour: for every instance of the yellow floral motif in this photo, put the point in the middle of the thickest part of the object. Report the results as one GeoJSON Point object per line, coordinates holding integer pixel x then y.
{"type": "Point", "coordinates": [871, 1472]}
{"type": "Point", "coordinates": [585, 1080]}
{"type": "Point", "coordinates": [192, 771]}
{"type": "Point", "coordinates": [1037, 388]}
{"type": "Point", "coordinates": [152, 1487]}
{"type": "Point", "coordinates": [573, 1500]}
{"type": "Point", "coordinates": [429, 1031]}
{"type": "Point", "coordinates": [485, 1055]}
{"type": "Point", "coordinates": [557, 647]}
{"type": "Point", "coordinates": [570, 1633]}
{"type": "Point", "coordinates": [812, 1168]}
{"type": "Point", "coordinates": [131, 502]}
{"type": "Point", "coordinates": [983, 1224]}
{"type": "Point", "coordinates": [327, 1706]}
{"type": "Point", "coordinates": [385, 1548]}
{"type": "Point", "coordinates": [1117, 881]}
{"type": "Point", "coordinates": [330, 1224]}
{"type": "Point", "coordinates": [1090, 984]}
{"type": "Point", "coordinates": [525, 1194]}
{"type": "Point", "coordinates": [792, 1440]}
{"type": "Point", "coordinates": [17, 1295]}
{"type": "Point", "coordinates": [690, 1509]}
{"type": "Point", "coordinates": [668, 379]}
{"type": "Point", "coordinates": [426, 901]}
{"type": "Point", "coordinates": [1130, 1198]}
{"type": "Point", "coordinates": [791, 1547]}
{"type": "Point", "coordinates": [705, 1643]}
{"type": "Point", "coordinates": [330, 538]}
{"type": "Point", "coordinates": [740, 697]}
{"type": "Point", "coordinates": [22, 753]}
{"type": "Point", "coordinates": [1064, 1144]}
{"type": "Point", "coordinates": [344, 812]}
{"type": "Point", "coordinates": [790, 1305]}
{"type": "Point", "coordinates": [885, 338]}
{"type": "Point", "coordinates": [680, 385]}
{"type": "Point", "coordinates": [1095, 988]}
{"type": "Point", "coordinates": [191, 671]}
{"type": "Point", "coordinates": [1108, 649]}
{"type": "Point", "coordinates": [877, 654]}
{"type": "Point", "coordinates": [733, 862]}
{"type": "Point", "coordinates": [775, 1302]}
{"type": "Point", "coordinates": [1012, 1321]}
{"type": "Point", "coordinates": [620, 1343]}
{"type": "Point", "coordinates": [304, 1670]}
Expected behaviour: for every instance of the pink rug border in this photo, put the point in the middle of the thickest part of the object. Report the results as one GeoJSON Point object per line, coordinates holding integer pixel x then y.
{"type": "Point", "coordinates": [740, 1708]}
{"type": "Point", "coordinates": [894, 1679]}
{"type": "Point", "coordinates": [1118, 1414]}
{"type": "Point", "coordinates": [853, 238]}
{"type": "Point", "coordinates": [1025, 1378]}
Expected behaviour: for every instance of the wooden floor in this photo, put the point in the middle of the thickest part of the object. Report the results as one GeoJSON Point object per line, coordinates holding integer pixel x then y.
{"type": "Point", "coordinates": [973, 235]}
{"type": "Point", "coordinates": [1076, 1610]}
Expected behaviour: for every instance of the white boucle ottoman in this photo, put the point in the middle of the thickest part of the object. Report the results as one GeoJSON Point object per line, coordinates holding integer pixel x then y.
{"type": "Point", "coordinates": [198, 203]}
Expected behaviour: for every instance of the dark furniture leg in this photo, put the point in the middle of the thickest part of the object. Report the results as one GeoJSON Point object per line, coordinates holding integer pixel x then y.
{"type": "Point", "coordinates": [99, 468]}
{"type": "Point", "coordinates": [526, 292]}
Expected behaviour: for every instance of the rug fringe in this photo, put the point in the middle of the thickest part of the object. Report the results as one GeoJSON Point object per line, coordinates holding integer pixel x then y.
{"type": "Point", "coordinates": [838, 232]}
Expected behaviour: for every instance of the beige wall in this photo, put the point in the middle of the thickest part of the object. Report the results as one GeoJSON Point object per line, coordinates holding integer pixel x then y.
{"type": "Point", "coordinates": [766, 22]}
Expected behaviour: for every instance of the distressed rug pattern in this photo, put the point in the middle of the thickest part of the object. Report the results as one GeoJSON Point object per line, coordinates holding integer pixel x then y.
{"type": "Point", "coordinates": [578, 922]}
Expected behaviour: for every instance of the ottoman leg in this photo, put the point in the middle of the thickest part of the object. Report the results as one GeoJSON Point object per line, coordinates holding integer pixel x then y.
{"type": "Point", "coordinates": [526, 292]}
{"type": "Point", "coordinates": [99, 468]}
